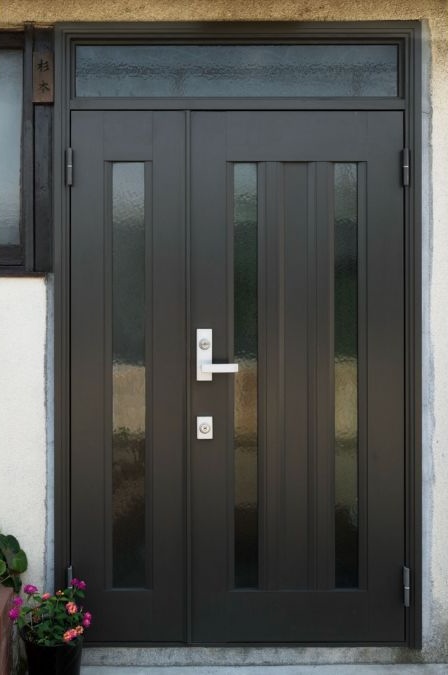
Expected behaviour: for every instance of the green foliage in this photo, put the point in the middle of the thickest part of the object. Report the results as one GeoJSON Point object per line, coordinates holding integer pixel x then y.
{"type": "Point", "coordinates": [13, 562]}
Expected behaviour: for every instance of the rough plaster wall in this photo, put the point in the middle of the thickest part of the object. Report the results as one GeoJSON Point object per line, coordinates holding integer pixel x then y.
{"type": "Point", "coordinates": [49, 11]}
{"type": "Point", "coordinates": [22, 417]}
{"type": "Point", "coordinates": [435, 280]}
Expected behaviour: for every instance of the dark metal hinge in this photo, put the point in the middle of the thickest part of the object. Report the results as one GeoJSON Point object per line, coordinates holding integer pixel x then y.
{"type": "Point", "coordinates": [406, 586]}
{"type": "Point", "coordinates": [405, 165]}
{"type": "Point", "coordinates": [69, 575]}
{"type": "Point", "coordinates": [69, 167]}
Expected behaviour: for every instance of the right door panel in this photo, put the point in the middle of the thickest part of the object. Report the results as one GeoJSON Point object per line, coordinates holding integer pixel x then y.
{"type": "Point", "coordinates": [297, 265]}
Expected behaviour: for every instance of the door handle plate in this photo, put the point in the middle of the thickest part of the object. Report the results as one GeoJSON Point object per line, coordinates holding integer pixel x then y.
{"type": "Point", "coordinates": [204, 357]}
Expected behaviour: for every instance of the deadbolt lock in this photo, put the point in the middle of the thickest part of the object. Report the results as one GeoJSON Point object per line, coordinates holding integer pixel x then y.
{"type": "Point", "coordinates": [204, 428]}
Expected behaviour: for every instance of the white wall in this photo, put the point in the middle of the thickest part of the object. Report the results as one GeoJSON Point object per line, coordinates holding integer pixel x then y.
{"type": "Point", "coordinates": [23, 456]}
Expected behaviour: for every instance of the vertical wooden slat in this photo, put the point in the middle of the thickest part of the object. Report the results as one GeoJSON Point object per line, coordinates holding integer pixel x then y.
{"type": "Point", "coordinates": [275, 367]}
{"type": "Point", "coordinates": [27, 233]}
{"type": "Point", "coordinates": [293, 518]}
{"type": "Point", "coordinates": [325, 376]}
{"type": "Point", "coordinates": [43, 169]}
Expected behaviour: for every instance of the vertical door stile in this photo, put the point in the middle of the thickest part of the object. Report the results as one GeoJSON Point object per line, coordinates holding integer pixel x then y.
{"type": "Point", "coordinates": [107, 374]}
{"type": "Point", "coordinates": [262, 394]}
{"type": "Point", "coordinates": [362, 377]}
{"type": "Point", "coordinates": [189, 422]}
{"type": "Point", "coordinates": [149, 359]}
{"type": "Point", "coordinates": [275, 360]}
{"type": "Point", "coordinates": [311, 375]}
{"type": "Point", "coordinates": [231, 393]}
{"type": "Point", "coordinates": [325, 376]}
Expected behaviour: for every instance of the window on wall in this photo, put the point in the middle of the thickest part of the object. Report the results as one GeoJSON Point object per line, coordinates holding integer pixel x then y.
{"type": "Point", "coordinates": [11, 110]}
{"type": "Point", "coordinates": [25, 157]}
{"type": "Point", "coordinates": [12, 226]}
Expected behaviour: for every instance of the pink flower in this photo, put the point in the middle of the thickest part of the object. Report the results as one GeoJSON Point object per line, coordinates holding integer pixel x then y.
{"type": "Point", "coordinates": [79, 630]}
{"type": "Point", "coordinates": [17, 602]}
{"type": "Point", "coordinates": [71, 608]}
{"type": "Point", "coordinates": [46, 596]}
{"type": "Point", "coordinates": [76, 583]}
{"type": "Point", "coordinates": [69, 635]}
{"type": "Point", "coordinates": [14, 613]}
{"type": "Point", "coordinates": [29, 589]}
{"type": "Point", "coordinates": [87, 620]}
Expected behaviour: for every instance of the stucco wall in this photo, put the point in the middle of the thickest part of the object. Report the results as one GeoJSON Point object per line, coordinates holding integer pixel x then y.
{"type": "Point", "coordinates": [23, 461]}
{"type": "Point", "coordinates": [23, 397]}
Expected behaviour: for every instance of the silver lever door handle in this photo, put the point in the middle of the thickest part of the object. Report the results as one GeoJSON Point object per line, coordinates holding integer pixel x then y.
{"type": "Point", "coordinates": [220, 368]}
{"type": "Point", "coordinates": [204, 357]}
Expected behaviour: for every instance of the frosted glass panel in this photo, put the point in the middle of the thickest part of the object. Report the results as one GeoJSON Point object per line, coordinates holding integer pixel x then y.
{"type": "Point", "coordinates": [10, 144]}
{"type": "Point", "coordinates": [346, 373]}
{"type": "Point", "coordinates": [246, 380]}
{"type": "Point", "coordinates": [237, 70]}
{"type": "Point", "coordinates": [128, 375]}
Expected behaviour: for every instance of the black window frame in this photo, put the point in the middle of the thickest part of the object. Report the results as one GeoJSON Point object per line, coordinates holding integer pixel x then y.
{"type": "Point", "coordinates": [33, 255]}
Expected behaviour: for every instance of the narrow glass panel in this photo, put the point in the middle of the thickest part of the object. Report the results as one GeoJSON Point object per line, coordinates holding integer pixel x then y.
{"type": "Point", "coordinates": [246, 384]}
{"type": "Point", "coordinates": [237, 70]}
{"type": "Point", "coordinates": [10, 144]}
{"type": "Point", "coordinates": [346, 374]}
{"type": "Point", "coordinates": [128, 380]}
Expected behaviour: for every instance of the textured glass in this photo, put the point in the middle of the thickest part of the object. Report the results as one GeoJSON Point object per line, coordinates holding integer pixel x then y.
{"type": "Point", "coordinates": [346, 374]}
{"type": "Point", "coordinates": [128, 375]}
{"type": "Point", "coordinates": [237, 70]}
{"type": "Point", "coordinates": [246, 380]}
{"type": "Point", "coordinates": [10, 144]}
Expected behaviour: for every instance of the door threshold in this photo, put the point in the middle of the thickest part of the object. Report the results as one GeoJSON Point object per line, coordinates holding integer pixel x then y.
{"type": "Point", "coordinates": [341, 669]}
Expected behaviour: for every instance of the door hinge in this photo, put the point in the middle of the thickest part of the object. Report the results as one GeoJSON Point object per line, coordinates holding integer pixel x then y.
{"type": "Point", "coordinates": [69, 167]}
{"type": "Point", "coordinates": [69, 575]}
{"type": "Point", "coordinates": [406, 586]}
{"type": "Point", "coordinates": [405, 165]}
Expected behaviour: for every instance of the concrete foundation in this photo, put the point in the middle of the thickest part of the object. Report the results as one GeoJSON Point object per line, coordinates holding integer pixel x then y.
{"type": "Point", "coordinates": [428, 669]}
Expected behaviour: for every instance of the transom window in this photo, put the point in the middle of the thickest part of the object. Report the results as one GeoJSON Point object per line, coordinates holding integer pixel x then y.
{"type": "Point", "coordinates": [308, 70]}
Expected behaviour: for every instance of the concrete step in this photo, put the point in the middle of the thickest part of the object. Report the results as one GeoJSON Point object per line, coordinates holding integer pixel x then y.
{"type": "Point", "coordinates": [405, 669]}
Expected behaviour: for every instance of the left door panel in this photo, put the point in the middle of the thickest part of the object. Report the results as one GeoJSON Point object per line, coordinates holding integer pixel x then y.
{"type": "Point", "coordinates": [128, 375]}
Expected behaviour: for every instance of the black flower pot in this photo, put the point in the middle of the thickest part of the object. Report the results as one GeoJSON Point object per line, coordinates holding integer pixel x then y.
{"type": "Point", "coordinates": [58, 660]}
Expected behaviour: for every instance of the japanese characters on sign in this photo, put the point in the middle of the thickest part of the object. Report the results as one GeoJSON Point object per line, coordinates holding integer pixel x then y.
{"type": "Point", "coordinates": [43, 81]}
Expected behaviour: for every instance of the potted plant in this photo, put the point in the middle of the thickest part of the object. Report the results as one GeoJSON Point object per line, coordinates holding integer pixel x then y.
{"type": "Point", "coordinates": [52, 628]}
{"type": "Point", "coordinates": [13, 562]}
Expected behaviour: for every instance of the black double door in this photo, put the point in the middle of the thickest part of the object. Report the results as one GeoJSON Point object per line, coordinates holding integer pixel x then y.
{"type": "Point", "coordinates": [282, 234]}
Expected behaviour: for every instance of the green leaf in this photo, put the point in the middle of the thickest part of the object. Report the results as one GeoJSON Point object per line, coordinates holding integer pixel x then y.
{"type": "Point", "coordinates": [3, 541]}
{"type": "Point", "coordinates": [2, 567]}
{"type": "Point", "coordinates": [19, 563]}
{"type": "Point", "coordinates": [12, 543]}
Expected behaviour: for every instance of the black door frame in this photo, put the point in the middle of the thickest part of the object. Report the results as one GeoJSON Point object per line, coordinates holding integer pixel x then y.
{"type": "Point", "coordinates": [407, 35]}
